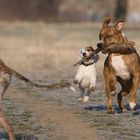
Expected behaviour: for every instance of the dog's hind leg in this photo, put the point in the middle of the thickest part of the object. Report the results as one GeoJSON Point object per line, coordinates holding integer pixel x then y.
{"type": "Point", "coordinates": [86, 97]}
{"type": "Point", "coordinates": [120, 100]}
{"type": "Point", "coordinates": [89, 90]}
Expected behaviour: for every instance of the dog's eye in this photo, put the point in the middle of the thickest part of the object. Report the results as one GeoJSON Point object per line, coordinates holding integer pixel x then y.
{"type": "Point", "coordinates": [108, 36]}
{"type": "Point", "coordinates": [88, 50]}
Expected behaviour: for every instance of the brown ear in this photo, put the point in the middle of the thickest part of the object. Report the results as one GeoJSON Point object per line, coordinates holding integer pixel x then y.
{"type": "Point", "coordinates": [91, 48]}
{"type": "Point", "coordinates": [119, 25]}
{"type": "Point", "coordinates": [106, 21]}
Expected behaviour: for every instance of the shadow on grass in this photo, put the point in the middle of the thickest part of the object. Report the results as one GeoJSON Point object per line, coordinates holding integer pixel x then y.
{"type": "Point", "coordinates": [97, 108]}
{"type": "Point", "coordinates": [100, 108]}
{"type": "Point", "coordinates": [4, 136]}
{"type": "Point", "coordinates": [103, 108]}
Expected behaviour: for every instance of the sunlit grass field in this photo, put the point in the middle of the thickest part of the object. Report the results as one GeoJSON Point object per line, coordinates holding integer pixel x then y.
{"type": "Point", "coordinates": [43, 49]}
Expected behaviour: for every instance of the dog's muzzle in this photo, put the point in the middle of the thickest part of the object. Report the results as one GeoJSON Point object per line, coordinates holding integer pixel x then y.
{"type": "Point", "coordinates": [100, 46]}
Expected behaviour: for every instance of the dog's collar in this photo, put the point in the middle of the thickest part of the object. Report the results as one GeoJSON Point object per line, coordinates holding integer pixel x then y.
{"type": "Point", "coordinates": [91, 61]}
{"type": "Point", "coordinates": [87, 63]}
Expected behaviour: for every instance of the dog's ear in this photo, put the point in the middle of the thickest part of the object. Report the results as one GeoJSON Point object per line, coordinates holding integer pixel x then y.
{"type": "Point", "coordinates": [107, 20]}
{"type": "Point", "coordinates": [91, 48]}
{"type": "Point", "coordinates": [119, 25]}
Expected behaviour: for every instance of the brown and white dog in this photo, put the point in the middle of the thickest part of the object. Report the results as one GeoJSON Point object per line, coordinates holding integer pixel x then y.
{"type": "Point", "coordinates": [86, 74]}
{"type": "Point", "coordinates": [119, 67]}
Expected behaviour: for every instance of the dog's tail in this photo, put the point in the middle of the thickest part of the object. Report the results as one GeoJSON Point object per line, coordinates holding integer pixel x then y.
{"type": "Point", "coordinates": [107, 20]}
{"type": "Point", "coordinates": [62, 84]}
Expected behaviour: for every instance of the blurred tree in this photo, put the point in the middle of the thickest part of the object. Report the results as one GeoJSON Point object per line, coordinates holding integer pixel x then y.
{"type": "Point", "coordinates": [29, 9]}
{"type": "Point", "coordinates": [121, 9]}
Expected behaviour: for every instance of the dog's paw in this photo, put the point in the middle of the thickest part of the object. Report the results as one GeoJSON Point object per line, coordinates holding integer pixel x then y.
{"type": "Point", "coordinates": [132, 105]}
{"type": "Point", "coordinates": [86, 99]}
{"type": "Point", "coordinates": [80, 99]}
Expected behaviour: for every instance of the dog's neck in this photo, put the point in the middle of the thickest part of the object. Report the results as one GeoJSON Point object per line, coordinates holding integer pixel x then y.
{"type": "Point", "coordinates": [88, 63]}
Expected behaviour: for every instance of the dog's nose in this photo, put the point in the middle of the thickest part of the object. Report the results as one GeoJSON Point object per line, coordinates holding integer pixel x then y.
{"type": "Point", "coordinates": [84, 54]}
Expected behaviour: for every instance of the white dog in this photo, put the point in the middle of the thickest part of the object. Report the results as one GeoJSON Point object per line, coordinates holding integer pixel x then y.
{"type": "Point", "coordinates": [86, 74]}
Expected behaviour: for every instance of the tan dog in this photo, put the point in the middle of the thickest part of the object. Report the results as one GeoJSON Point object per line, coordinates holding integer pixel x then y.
{"type": "Point", "coordinates": [86, 74]}
{"type": "Point", "coordinates": [5, 78]}
{"type": "Point", "coordinates": [119, 67]}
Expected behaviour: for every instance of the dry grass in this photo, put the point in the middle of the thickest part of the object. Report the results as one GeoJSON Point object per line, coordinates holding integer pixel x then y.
{"type": "Point", "coordinates": [47, 52]}
{"type": "Point", "coordinates": [44, 49]}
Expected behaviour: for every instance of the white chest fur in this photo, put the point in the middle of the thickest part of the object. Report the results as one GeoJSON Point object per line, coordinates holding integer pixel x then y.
{"type": "Point", "coordinates": [120, 67]}
{"type": "Point", "coordinates": [86, 75]}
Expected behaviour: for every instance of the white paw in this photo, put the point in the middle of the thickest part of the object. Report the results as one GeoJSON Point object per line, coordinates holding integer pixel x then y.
{"type": "Point", "coordinates": [80, 99]}
{"type": "Point", "coordinates": [132, 105]}
{"type": "Point", "coordinates": [86, 98]}
{"type": "Point", "coordinates": [72, 89]}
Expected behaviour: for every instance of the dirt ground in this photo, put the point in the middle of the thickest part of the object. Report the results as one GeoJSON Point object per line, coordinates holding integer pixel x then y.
{"type": "Point", "coordinates": [46, 53]}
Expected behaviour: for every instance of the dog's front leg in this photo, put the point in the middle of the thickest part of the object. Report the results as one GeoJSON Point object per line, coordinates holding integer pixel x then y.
{"type": "Point", "coordinates": [90, 89]}
{"type": "Point", "coordinates": [135, 84]}
{"type": "Point", "coordinates": [120, 100]}
{"type": "Point", "coordinates": [92, 83]}
{"type": "Point", "coordinates": [82, 93]}
{"type": "Point", "coordinates": [110, 81]}
{"type": "Point", "coordinates": [86, 97]}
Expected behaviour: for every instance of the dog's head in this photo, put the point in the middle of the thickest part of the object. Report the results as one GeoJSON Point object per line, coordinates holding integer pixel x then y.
{"type": "Point", "coordinates": [111, 34]}
{"type": "Point", "coordinates": [85, 52]}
